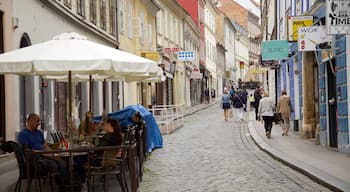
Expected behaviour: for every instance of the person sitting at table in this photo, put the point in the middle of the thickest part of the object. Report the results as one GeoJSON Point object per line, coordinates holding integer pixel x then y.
{"type": "Point", "coordinates": [112, 137]}
{"type": "Point", "coordinates": [33, 138]}
{"type": "Point", "coordinates": [86, 127]}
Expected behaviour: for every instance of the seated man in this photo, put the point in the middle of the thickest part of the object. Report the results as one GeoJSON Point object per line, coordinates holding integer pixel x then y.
{"type": "Point", "coordinates": [34, 139]}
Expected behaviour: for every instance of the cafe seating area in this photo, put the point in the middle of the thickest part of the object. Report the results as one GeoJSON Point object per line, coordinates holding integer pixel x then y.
{"type": "Point", "coordinates": [124, 163]}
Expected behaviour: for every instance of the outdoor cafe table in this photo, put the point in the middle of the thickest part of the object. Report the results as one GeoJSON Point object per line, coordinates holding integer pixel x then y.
{"type": "Point", "coordinates": [70, 153]}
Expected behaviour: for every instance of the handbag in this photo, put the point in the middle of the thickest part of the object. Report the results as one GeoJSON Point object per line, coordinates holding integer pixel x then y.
{"type": "Point", "coordinates": [277, 117]}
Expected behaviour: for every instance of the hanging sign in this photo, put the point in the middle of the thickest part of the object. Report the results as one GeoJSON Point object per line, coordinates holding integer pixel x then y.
{"type": "Point", "coordinates": [295, 22]}
{"type": "Point", "coordinates": [310, 38]}
{"type": "Point", "coordinates": [151, 55]}
{"type": "Point", "coordinates": [185, 55]}
{"type": "Point", "coordinates": [273, 50]}
{"type": "Point", "coordinates": [338, 16]}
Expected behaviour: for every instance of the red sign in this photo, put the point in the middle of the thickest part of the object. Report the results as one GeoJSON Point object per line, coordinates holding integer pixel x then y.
{"type": "Point", "coordinates": [241, 65]}
{"type": "Point", "coordinates": [171, 49]}
{"type": "Point", "coordinates": [45, 84]}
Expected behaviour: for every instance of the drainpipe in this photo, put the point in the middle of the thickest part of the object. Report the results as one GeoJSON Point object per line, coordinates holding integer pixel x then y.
{"type": "Point", "coordinates": [276, 67]}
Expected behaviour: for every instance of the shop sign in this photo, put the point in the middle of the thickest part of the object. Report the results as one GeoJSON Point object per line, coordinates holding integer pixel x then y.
{"type": "Point", "coordinates": [274, 50]}
{"type": "Point", "coordinates": [311, 37]}
{"type": "Point", "coordinates": [295, 22]}
{"type": "Point", "coordinates": [185, 56]}
{"type": "Point", "coordinates": [338, 16]}
{"type": "Point", "coordinates": [171, 49]}
{"type": "Point", "coordinates": [241, 64]}
{"type": "Point", "coordinates": [154, 56]}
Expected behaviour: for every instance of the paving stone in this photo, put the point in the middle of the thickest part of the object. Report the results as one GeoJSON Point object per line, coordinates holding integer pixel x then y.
{"type": "Point", "coordinates": [209, 154]}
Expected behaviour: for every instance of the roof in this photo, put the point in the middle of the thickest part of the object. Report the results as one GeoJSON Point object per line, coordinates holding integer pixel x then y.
{"type": "Point", "coordinates": [250, 6]}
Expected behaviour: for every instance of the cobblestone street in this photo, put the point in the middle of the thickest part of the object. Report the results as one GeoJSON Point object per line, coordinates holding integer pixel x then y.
{"type": "Point", "coordinates": [209, 154]}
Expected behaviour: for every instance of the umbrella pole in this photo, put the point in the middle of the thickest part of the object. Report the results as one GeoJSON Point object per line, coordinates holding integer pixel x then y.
{"type": "Point", "coordinates": [90, 93]}
{"type": "Point", "coordinates": [104, 94]}
{"type": "Point", "coordinates": [70, 108]}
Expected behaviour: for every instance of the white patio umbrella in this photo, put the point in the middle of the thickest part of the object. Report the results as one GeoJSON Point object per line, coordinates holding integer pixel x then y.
{"type": "Point", "coordinates": [71, 53]}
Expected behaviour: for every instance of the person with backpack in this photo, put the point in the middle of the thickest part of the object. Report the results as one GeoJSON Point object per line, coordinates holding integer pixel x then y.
{"type": "Point", "coordinates": [238, 103]}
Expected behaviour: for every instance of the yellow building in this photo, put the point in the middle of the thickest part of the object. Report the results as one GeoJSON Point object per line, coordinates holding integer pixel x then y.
{"type": "Point", "coordinates": [137, 35]}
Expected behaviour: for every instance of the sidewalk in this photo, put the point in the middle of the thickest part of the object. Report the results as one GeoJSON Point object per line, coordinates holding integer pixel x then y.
{"type": "Point", "coordinates": [323, 165]}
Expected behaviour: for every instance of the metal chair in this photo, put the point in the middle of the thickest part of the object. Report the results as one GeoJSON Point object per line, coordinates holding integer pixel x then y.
{"type": "Point", "coordinates": [113, 162]}
{"type": "Point", "coordinates": [36, 170]}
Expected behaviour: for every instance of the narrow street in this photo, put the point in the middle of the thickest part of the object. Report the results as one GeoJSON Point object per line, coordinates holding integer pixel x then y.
{"type": "Point", "coordinates": [209, 154]}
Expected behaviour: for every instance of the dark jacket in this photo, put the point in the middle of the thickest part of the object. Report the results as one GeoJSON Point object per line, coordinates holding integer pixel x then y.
{"type": "Point", "coordinates": [237, 101]}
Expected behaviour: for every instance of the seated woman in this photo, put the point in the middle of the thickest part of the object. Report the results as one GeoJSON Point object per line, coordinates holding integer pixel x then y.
{"type": "Point", "coordinates": [112, 137]}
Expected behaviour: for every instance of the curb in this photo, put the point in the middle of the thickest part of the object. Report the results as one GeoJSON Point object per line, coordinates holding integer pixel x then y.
{"type": "Point", "coordinates": [313, 173]}
{"type": "Point", "coordinates": [201, 108]}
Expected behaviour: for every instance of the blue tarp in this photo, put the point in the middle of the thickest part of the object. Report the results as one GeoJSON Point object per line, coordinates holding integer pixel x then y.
{"type": "Point", "coordinates": [153, 137]}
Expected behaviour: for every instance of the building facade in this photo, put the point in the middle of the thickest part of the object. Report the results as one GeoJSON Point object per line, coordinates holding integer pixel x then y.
{"type": "Point", "coordinates": [170, 40]}
{"type": "Point", "coordinates": [317, 81]}
{"type": "Point", "coordinates": [137, 35]}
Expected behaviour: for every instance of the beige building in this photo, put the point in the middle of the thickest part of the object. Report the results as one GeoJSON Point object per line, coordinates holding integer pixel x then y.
{"type": "Point", "coordinates": [137, 35]}
{"type": "Point", "coordinates": [170, 41]}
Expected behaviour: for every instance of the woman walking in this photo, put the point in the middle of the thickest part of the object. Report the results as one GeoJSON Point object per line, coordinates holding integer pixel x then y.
{"type": "Point", "coordinates": [225, 103]}
{"type": "Point", "coordinates": [266, 107]}
{"type": "Point", "coordinates": [284, 107]}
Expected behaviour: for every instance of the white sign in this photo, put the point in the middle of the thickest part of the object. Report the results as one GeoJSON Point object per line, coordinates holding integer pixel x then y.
{"type": "Point", "coordinates": [196, 75]}
{"type": "Point", "coordinates": [311, 37]}
{"type": "Point", "coordinates": [338, 16]}
{"type": "Point", "coordinates": [185, 56]}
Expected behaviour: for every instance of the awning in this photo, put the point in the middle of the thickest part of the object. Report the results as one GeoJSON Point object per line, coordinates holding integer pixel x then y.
{"type": "Point", "coordinates": [252, 74]}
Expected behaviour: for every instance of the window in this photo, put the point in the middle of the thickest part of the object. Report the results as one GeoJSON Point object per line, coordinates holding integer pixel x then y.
{"type": "Point", "coordinates": [81, 7]}
{"type": "Point", "coordinates": [142, 26]}
{"type": "Point", "coordinates": [103, 14]}
{"type": "Point", "coordinates": [159, 21]}
{"type": "Point", "coordinates": [130, 20]}
{"type": "Point", "coordinates": [93, 11]}
{"type": "Point", "coordinates": [150, 36]}
{"type": "Point", "coordinates": [68, 3]}
{"type": "Point", "coordinates": [112, 17]}
{"type": "Point", "coordinates": [122, 16]}
{"type": "Point", "coordinates": [171, 27]}
{"type": "Point", "coordinates": [166, 27]}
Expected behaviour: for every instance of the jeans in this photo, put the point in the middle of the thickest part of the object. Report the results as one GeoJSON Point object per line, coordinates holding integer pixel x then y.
{"type": "Point", "coordinates": [268, 123]}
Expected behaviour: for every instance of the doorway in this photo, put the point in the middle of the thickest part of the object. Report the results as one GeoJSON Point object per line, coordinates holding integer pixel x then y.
{"type": "Point", "coordinates": [332, 104]}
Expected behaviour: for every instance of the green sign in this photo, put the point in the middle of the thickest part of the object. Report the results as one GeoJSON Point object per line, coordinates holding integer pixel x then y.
{"type": "Point", "coordinates": [274, 50]}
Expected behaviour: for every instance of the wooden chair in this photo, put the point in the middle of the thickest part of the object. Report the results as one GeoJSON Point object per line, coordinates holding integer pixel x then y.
{"type": "Point", "coordinates": [113, 162]}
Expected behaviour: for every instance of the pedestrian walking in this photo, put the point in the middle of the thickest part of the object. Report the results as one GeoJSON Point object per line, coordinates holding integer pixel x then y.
{"type": "Point", "coordinates": [226, 105]}
{"type": "Point", "coordinates": [257, 97]}
{"type": "Point", "coordinates": [284, 107]}
{"type": "Point", "coordinates": [251, 101]}
{"type": "Point", "coordinates": [244, 96]}
{"type": "Point", "coordinates": [265, 111]}
{"type": "Point", "coordinates": [237, 103]}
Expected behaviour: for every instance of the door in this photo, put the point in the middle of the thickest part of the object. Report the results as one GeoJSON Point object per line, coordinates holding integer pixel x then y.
{"type": "Point", "coordinates": [332, 104]}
